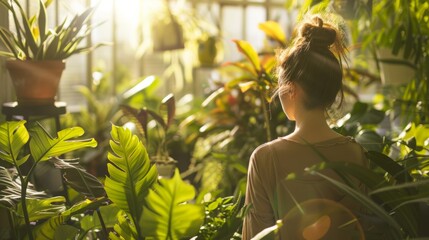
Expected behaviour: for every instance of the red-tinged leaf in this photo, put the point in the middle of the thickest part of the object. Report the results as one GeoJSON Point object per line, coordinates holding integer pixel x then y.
{"type": "Point", "coordinates": [138, 117]}
{"type": "Point", "coordinates": [274, 31]}
{"type": "Point", "coordinates": [247, 49]}
{"type": "Point", "coordinates": [157, 118]}
{"type": "Point", "coordinates": [170, 103]}
{"type": "Point", "coordinates": [244, 87]}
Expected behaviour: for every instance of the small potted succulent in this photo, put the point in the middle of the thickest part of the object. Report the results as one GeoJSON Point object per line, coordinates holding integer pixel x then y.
{"type": "Point", "coordinates": [37, 53]}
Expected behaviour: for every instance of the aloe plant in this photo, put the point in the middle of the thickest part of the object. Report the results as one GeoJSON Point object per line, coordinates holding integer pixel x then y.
{"type": "Point", "coordinates": [34, 206]}
{"type": "Point", "coordinates": [32, 40]}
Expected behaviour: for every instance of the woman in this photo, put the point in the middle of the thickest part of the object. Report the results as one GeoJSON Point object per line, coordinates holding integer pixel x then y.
{"type": "Point", "coordinates": [310, 81]}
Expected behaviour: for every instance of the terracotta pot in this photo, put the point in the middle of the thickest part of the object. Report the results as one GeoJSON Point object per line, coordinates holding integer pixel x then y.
{"type": "Point", "coordinates": [35, 82]}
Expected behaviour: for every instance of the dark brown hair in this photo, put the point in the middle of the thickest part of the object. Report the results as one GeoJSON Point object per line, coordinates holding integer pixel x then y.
{"type": "Point", "coordinates": [314, 62]}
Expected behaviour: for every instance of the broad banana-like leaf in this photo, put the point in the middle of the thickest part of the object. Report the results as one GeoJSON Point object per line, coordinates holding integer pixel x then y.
{"type": "Point", "coordinates": [43, 147]}
{"type": "Point", "coordinates": [131, 174]}
{"type": "Point", "coordinates": [48, 228]}
{"type": "Point", "coordinates": [79, 179]}
{"type": "Point", "coordinates": [274, 31]}
{"type": "Point", "coordinates": [13, 137]}
{"type": "Point", "coordinates": [167, 213]}
{"type": "Point", "coordinates": [247, 49]}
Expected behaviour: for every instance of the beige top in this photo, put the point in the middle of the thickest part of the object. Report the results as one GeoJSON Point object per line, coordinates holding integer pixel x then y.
{"type": "Point", "coordinates": [271, 197]}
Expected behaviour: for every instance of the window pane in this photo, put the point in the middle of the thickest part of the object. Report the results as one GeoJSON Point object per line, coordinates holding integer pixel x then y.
{"type": "Point", "coordinates": [232, 25]}
{"type": "Point", "coordinates": [254, 16]}
{"type": "Point", "coordinates": [76, 65]}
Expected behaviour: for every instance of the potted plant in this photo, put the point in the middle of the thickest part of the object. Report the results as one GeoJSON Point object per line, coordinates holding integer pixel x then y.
{"type": "Point", "coordinates": [38, 53]}
{"type": "Point", "coordinates": [161, 157]}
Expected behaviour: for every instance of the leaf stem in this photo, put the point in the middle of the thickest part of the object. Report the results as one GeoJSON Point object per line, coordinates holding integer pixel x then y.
{"type": "Point", "coordinates": [103, 225]}
{"type": "Point", "coordinates": [266, 117]}
{"type": "Point", "coordinates": [24, 184]}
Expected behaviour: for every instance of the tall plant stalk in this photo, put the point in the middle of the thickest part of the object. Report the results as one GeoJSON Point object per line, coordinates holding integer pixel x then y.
{"type": "Point", "coordinates": [266, 117]}
{"type": "Point", "coordinates": [24, 184]}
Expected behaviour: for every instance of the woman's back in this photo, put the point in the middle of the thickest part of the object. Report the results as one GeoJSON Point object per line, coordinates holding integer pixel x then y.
{"type": "Point", "coordinates": [272, 162]}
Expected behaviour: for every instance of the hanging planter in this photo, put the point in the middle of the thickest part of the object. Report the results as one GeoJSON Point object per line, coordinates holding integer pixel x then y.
{"type": "Point", "coordinates": [167, 33]}
{"type": "Point", "coordinates": [207, 51]}
{"type": "Point", "coordinates": [394, 69]}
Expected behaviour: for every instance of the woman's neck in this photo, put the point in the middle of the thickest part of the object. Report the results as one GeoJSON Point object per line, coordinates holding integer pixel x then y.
{"type": "Point", "coordinates": [311, 126]}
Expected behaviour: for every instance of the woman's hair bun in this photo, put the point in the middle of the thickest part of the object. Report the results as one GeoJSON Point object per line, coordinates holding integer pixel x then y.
{"type": "Point", "coordinates": [317, 33]}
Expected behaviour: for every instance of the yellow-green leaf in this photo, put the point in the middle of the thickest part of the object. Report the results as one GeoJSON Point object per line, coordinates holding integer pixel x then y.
{"type": "Point", "coordinates": [167, 213]}
{"type": "Point", "coordinates": [244, 87]}
{"type": "Point", "coordinates": [13, 137]}
{"type": "Point", "coordinates": [274, 30]}
{"type": "Point", "coordinates": [43, 147]}
{"type": "Point", "coordinates": [130, 172]}
{"type": "Point", "coordinates": [247, 49]}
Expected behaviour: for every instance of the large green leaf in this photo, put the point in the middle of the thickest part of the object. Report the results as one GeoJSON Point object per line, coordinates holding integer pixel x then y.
{"type": "Point", "coordinates": [250, 53]}
{"type": "Point", "coordinates": [43, 147]}
{"type": "Point", "coordinates": [131, 174]}
{"type": "Point", "coordinates": [167, 213]}
{"type": "Point", "coordinates": [13, 137]}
